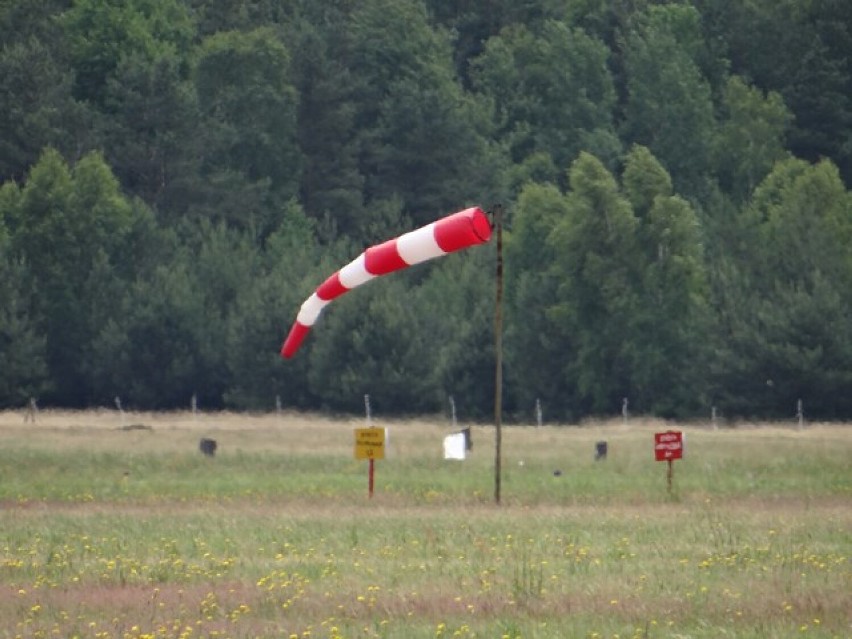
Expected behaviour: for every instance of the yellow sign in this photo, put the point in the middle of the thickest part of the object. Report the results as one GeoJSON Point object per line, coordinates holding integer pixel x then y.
{"type": "Point", "coordinates": [369, 443]}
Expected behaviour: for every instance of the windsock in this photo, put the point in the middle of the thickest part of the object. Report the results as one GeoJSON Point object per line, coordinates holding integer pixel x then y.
{"type": "Point", "coordinates": [447, 235]}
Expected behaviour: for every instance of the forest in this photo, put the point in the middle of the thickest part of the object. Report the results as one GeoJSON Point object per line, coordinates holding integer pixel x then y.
{"type": "Point", "coordinates": [179, 175]}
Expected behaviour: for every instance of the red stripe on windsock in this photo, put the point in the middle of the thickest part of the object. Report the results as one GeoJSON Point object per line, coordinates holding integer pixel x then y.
{"type": "Point", "coordinates": [383, 259]}
{"type": "Point", "coordinates": [294, 339]}
{"type": "Point", "coordinates": [462, 229]}
{"type": "Point", "coordinates": [331, 288]}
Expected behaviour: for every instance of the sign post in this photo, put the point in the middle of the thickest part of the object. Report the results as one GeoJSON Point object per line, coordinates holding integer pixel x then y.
{"type": "Point", "coordinates": [668, 446]}
{"type": "Point", "coordinates": [370, 445]}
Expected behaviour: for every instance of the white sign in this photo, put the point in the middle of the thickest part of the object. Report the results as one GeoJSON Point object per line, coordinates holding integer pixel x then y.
{"type": "Point", "coordinates": [455, 446]}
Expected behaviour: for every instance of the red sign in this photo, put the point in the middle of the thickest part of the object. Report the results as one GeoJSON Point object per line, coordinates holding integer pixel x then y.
{"type": "Point", "coordinates": [668, 445]}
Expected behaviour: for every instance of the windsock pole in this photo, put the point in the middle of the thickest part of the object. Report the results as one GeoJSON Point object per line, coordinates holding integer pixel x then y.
{"type": "Point", "coordinates": [498, 356]}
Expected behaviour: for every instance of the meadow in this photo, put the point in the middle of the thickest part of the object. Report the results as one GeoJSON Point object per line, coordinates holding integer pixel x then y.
{"type": "Point", "coordinates": [116, 526]}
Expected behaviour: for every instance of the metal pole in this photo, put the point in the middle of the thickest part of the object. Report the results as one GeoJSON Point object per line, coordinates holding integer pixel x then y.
{"type": "Point", "coordinates": [498, 356]}
{"type": "Point", "coordinates": [669, 475]}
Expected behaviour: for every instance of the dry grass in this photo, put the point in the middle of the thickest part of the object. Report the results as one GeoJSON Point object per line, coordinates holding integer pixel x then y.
{"type": "Point", "coordinates": [307, 433]}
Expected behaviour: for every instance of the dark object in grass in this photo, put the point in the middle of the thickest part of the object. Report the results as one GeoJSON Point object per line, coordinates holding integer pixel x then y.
{"type": "Point", "coordinates": [207, 446]}
{"type": "Point", "coordinates": [135, 427]}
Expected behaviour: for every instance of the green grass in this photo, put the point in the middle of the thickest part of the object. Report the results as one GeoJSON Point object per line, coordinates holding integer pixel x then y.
{"type": "Point", "coordinates": [107, 533]}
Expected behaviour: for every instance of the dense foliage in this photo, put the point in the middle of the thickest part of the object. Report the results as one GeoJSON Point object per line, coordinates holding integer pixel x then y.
{"type": "Point", "coordinates": [178, 175]}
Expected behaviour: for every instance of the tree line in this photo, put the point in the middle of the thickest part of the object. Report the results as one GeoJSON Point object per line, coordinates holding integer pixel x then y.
{"type": "Point", "coordinates": [178, 175]}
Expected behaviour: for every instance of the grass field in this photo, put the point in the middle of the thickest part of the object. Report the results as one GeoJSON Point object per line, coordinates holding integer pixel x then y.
{"type": "Point", "coordinates": [117, 527]}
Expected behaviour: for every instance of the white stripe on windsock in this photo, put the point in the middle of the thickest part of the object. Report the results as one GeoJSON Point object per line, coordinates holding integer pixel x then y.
{"type": "Point", "coordinates": [418, 246]}
{"type": "Point", "coordinates": [310, 310]}
{"type": "Point", "coordinates": [355, 273]}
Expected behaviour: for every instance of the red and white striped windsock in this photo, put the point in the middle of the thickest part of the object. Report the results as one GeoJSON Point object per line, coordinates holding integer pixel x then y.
{"type": "Point", "coordinates": [447, 235]}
